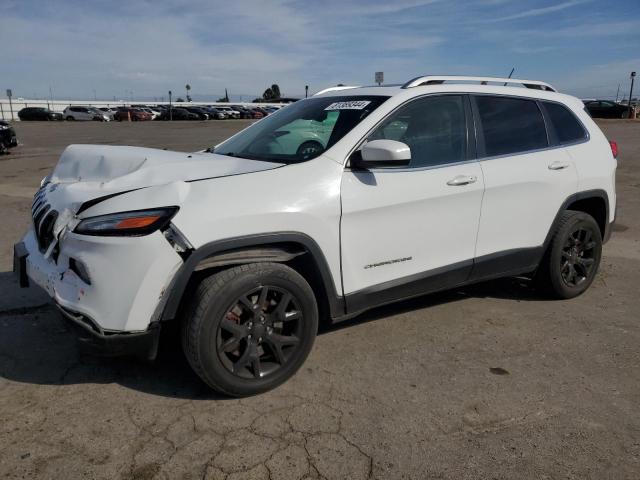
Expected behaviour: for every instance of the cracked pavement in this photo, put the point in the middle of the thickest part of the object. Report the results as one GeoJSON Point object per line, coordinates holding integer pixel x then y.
{"type": "Point", "coordinates": [485, 382]}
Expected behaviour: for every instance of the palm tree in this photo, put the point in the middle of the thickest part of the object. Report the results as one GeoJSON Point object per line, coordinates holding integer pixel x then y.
{"type": "Point", "coordinates": [188, 87]}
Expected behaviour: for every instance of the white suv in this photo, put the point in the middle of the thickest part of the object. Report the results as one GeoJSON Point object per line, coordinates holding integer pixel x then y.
{"type": "Point", "coordinates": [85, 113]}
{"type": "Point", "coordinates": [410, 189]}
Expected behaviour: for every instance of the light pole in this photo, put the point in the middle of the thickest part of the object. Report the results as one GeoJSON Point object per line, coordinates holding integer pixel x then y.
{"type": "Point", "coordinates": [633, 77]}
{"type": "Point", "coordinates": [306, 91]}
{"type": "Point", "coordinates": [170, 108]}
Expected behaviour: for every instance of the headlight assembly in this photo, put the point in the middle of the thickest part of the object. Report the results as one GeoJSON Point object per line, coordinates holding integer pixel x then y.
{"type": "Point", "coordinates": [130, 224]}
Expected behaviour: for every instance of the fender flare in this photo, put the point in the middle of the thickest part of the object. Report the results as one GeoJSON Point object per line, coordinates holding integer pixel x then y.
{"type": "Point", "coordinates": [181, 279]}
{"type": "Point", "coordinates": [595, 193]}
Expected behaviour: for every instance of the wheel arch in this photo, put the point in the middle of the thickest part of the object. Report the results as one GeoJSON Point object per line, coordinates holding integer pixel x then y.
{"type": "Point", "coordinates": [294, 249]}
{"type": "Point", "coordinates": [592, 202]}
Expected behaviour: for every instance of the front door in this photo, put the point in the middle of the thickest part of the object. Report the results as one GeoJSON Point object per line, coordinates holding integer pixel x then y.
{"type": "Point", "coordinates": [409, 230]}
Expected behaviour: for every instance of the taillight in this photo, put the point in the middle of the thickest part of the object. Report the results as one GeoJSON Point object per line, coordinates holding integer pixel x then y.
{"type": "Point", "coordinates": [614, 148]}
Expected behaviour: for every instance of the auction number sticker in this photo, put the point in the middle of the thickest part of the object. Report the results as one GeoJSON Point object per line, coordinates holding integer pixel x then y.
{"type": "Point", "coordinates": [352, 105]}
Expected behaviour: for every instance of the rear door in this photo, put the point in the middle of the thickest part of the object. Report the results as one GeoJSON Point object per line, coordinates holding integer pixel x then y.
{"type": "Point", "coordinates": [527, 179]}
{"type": "Point", "coordinates": [409, 230]}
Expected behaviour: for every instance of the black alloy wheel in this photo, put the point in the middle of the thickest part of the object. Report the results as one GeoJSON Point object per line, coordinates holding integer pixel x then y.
{"type": "Point", "coordinates": [249, 328]}
{"type": "Point", "coordinates": [578, 257]}
{"type": "Point", "coordinates": [571, 260]}
{"type": "Point", "coordinates": [260, 331]}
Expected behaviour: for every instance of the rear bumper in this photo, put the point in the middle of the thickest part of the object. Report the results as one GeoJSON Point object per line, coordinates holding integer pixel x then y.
{"type": "Point", "coordinates": [609, 228]}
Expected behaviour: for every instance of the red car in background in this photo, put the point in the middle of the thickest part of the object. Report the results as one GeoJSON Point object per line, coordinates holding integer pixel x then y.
{"type": "Point", "coordinates": [136, 115]}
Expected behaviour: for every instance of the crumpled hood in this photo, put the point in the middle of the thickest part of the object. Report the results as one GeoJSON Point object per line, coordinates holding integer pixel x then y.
{"type": "Point", "coordinates": [119, 168]}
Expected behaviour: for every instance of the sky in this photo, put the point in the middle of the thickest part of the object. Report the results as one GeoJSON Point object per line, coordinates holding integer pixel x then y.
{"type": "Point", "coordinates": [143, 48]}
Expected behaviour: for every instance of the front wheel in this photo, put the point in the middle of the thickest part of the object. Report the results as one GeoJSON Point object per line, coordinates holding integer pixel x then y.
{"type": "Point", "coordinates": [70, 118]}
{"type": "Point", "coordinates": [249, 328]}
{"type": "Point", "coordinates": [573, 256]}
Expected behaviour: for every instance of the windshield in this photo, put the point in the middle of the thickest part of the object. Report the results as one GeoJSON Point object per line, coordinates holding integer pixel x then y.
{"type": "Point", "coordinates": [302, 130]}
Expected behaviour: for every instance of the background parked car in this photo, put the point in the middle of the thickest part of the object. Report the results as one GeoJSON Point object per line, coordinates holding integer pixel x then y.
{"type": "Point", "coordinates": [244, 112]}
{"type": "Point", "coordinates": [262, 111]}
{"type": "Point", "coordinates": [145, 108]}
{"type": "Point", "coordinates": [178, 114]}
{"type": "Point", "coordinates": [214, 113]}
{"type": "Point", "coordinates": [228, 111]}
{"type": "Point", "coordinates": [8, 137]}
{"type": "Point", "coordinates": [84, 113]}
{"type": "Point", "coordinates": [606, 109]}
{"type": "Point", "coordinates": [136, 114]}
{"type": "Point", "coordinates": [110, 112]}
{"type": "Point", "coordinates": [38, 113]}
{"type": "Point", "coordinates": [202, 114]}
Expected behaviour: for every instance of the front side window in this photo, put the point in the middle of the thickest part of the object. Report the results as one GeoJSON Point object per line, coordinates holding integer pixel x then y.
{"type": "Point", "coordinates": [302, 130]}
{"type": "Point", "coordinates": [566, 125]}
{"type": "Point", "coordinates": [433, 127]}
{"type": "Point", "coordinates": [510, 125]}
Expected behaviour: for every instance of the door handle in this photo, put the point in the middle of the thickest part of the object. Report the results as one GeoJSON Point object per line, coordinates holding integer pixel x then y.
{"type": "Point", "coordinates": [558, 166]}
{"type": "Point", "coordinates": [462, 180]}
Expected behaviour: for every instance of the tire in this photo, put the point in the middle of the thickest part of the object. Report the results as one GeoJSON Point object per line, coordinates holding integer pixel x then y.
{"type": "Point", "coordinates": [221, 340]}
{"type": "Point", "coordinates": [310, 147]}
{"type": "Point", "coordinates": [572, 259]}
{"type": "Point", "coordinates": [70, 118]}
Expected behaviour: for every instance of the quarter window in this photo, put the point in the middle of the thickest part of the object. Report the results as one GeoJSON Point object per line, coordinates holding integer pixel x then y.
{"type": "Point", "coordinates": [566, 125]}
{"type": "Point", "coordinates": [434, 128]}
{"type": "Point", "coordinates": [510, 125]}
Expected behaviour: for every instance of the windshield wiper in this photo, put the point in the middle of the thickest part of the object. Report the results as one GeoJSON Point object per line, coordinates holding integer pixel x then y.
{"type": "Point", "coordinates": [247, 156]}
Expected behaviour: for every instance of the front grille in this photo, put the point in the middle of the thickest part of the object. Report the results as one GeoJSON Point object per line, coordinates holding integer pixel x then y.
{"type": "Point", "coordinates": [44, 218]}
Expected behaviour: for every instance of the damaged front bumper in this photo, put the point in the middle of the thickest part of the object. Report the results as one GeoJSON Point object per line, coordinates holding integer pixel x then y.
{"type": "Point", "coordinates": [95, 341]}
{"type": "Point", "coordinates": [116, 298]}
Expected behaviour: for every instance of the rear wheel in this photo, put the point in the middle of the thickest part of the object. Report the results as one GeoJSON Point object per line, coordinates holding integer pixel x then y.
{"type": "Point", "coordinates": [573, 256]}
{"type": "Point", "coordinates": [249, 328]}
{"type": "Point", "coordinates": [70, 118]}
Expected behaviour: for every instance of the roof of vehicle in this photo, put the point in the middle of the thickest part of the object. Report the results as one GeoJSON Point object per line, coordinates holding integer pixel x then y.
{"type": "Point", "coordinates": [452, 84]}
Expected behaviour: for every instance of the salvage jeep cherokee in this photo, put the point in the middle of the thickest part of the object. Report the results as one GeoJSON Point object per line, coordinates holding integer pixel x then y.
{"type": "Point", "coordinates": [354, 198]}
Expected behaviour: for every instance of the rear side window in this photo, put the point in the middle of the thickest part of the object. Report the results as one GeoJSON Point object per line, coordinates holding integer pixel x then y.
{"type": "Point", "coordinates": [567, 127]}
{"type": "Point", "coordinates": [510, 125]}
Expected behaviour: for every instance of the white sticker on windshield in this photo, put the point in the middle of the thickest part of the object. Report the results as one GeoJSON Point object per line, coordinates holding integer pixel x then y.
{"type": "Point", "coordinates": [352, 105]}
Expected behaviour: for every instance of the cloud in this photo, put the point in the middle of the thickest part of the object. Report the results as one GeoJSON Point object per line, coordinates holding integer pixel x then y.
{"type": "Point", "coordinates": [151, 46]}
{"type": "Point", "coordinates": [535, 12]}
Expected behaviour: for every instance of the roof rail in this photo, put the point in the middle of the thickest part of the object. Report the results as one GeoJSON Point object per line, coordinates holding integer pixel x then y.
{"type": "Point", "coordinates": [439, 79]}
{"type": "Point", "coordinates": [334, 89]}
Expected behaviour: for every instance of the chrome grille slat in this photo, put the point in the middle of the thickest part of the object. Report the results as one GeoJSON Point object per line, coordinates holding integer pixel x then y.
{"type": "Point", "coordinates": [44, 219]}
{"type": "Point", "coordinates": [38, 196]}
{"type": "Point", "coordinates": [37, 219]}
{"type": "Point", "coordinates": [37, 206]}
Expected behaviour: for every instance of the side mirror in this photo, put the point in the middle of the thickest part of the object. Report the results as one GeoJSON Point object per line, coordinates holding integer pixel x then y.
{"type": "Point", "coordinates": [384, 153]}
